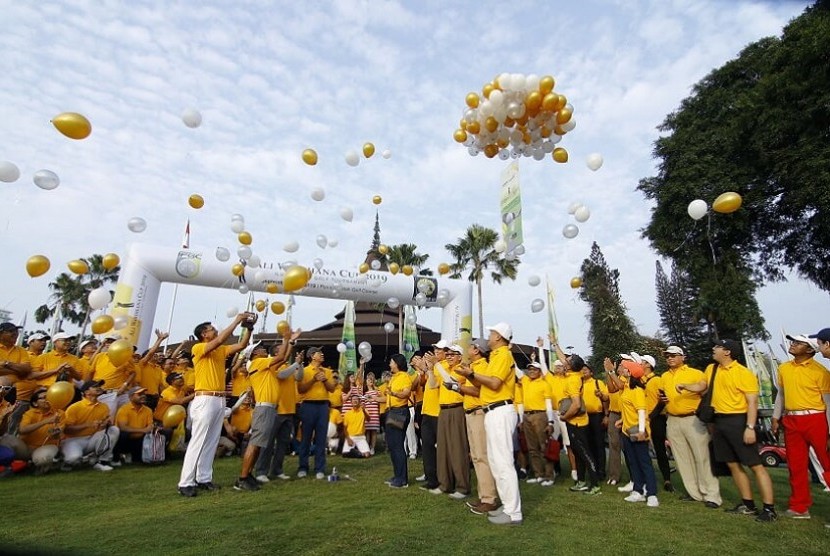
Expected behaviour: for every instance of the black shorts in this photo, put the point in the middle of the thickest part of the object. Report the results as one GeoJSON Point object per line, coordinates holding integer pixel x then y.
{"type": "Point", "coordinates": [728, 441]}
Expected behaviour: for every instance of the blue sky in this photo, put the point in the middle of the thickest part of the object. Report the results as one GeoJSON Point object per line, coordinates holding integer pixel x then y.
{"type": "Point", "coordinates": [273, 78]}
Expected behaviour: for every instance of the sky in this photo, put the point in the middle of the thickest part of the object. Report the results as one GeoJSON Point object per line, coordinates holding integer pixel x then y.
{"type": "Point", "coordinates": [273, 78]}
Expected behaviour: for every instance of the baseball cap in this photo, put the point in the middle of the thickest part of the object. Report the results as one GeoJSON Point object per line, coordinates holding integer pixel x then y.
{"type": "Point", "coordinates": [86, 343]}
{"type": "Point", "coordinates": [312, 350]}
{"type": "Point", "coordinates": [136, 390]}
{"type": "Point", "coordinates": [634, 369]}
{"type": "Point", "coordinates": [502, 329]}
{"type": "Point", "coordinates": [731, 345]}
{"type": "Point", "coordinates": [636, 357]}
{"type": "Point", "coordinates": [62, 336]}
{"type": "Point", "coordinates": [823, 335]}
{"type": "Point", "coordinates": [441, 344]}
{"type": "Point", "coordinates": [804, 339]}
{"type": "Point", "coordinates": [9, 327]}
{"type": "Point", "coordinates": [481, 344]}
{"type": "Point", "coordinates": [626, 357]}
{"type": "Point", "coordinates": [674, 350]}
{"type": "Point", "coordinates": [173, 376]}
{"type": "Point", "coordinates": [112, 337]}
{"type": "Point", "coordinates": [91, 384]}
{"type": "Point", "coordinates": [455, 348]}
{"type": "Point", "coordinates": [534, 365]}
{"type": "Point", "coordinates": [38, 336]}
{"type": "Point", "coordinates": [650, 360]}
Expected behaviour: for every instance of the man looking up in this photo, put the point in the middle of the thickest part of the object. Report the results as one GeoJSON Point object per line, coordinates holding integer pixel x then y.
{"type": "Point", "coordinates": [316, 385]}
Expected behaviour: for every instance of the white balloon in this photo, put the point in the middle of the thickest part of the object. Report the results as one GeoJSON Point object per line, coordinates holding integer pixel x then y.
{"type": "Point", "coordinates": [291, 247]}
{"type": "Point", "coordinates": [534, 280]}
{"type": "Point", "coordinates": [367, 357]}
{"type": "Point", "coordinates": [570, 231]}
{"type": "Point", "coordinates": [496, 98]}
{"type": "Point", "coordinates": [237, 216]}
{"type": "Point", "coordinates": [120, 321]}
{"type": "Point", "coordinates": [318, 194]}
{"type": "Point", "coordinates": [346, 214]}
{"type": "Point", "coordinates": [237, 226]}
{"type": "Point", "coordinates": [341, 348]}
{"type": "Point", "coordinates": [537, 305]}
{"type": "Point", "coordinates": [375, 264]}
{"type": "Point", "coordinates": [387, 154]}
{"type": "Point", "coordinates": [393, 302]}
{"type": "Point", "coordinates": [364, 348]}
{"type": "Point", "coordinates": [570, 125]}
{"type": "Point", "coordinates": [573, 206]}
{"type": "Point", "coordinates": [222, 254]}
{"type": "Point", "coordinates": [333, 243]}
{"type": "Point", "coordinates": [389, 327]}
{"type": "Point", "coordinates": [243, 288]}
{"type": "Point", "coordinates": [244, 252]}
{"type": "Point", "coordinates": [582, 214]}
{"type": "Point", "coordinates": [322, 241]}
{"type": "Point", "coordinates": [260, 276]}
{"type": "Point", "coordinates": [697, 209]}
{"type": "Point", "coordinates": [594, 161]}
{"type": "Point", "coordinates": [411, 319]}
{"type": "Point", "coordinates": [192, 119]}
{"type": "Point", "coordinates": [137, 224]}
{"type": "Point", "coordinates": [532, 82]}
{"type": "Point", "coordinates": [500, 246]}
{"type": "Point", "coordinates": [46, 179]}
{"type": "Point", "coordinates": [254, 261]}
{"type": "Point", "coordinates": [9, 172]}
{"type": "Point", "coordinates": [318, 263]}
{"type": "Point", "coordinates": [99, 298]}
{"type": "Point", "coordinates": [519, 250]}
{"type": "Point", "coordinates": [352, 158]}
{"type": "Point", "coordinates": [420, 298]}
{"type": "Point", "coordinates": [232, 312]}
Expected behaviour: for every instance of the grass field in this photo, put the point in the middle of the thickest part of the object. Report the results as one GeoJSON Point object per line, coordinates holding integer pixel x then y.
{"type": "Point", "coordinates": [136, 510]}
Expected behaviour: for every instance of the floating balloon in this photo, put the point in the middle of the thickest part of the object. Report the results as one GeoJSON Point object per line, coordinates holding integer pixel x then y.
{"type": "Point", "coordinates": [99, 298]}
{"type": "Point", "coordinates": [365, 348]}
{"type": "Point", "coordinates": [322, 241]}
{"type": "Point", "coordinates": [46, 180]}
{"type": "Point", "coordinates": [78, 266]}
{"type": "Point", "coordinates": [271, 287]}
{"type": "Point", "coordinates": [191, 118]}
{"type": "Point", "coordinates": [383, 249]}
{"type": "Point", "coordinates": [341, 348]}
{"type": "Point", "coordinates": [394, 268]}
{"type": "Point", "coordinates": [237, 217]}
{"type": "Point", "coordinates": [291, 247]}
{"type": "Point", "coordinates": [363, 268]}
{"type": "Point", "coordinates": [243, 289]}
{"type": "Point", "coordinates": [443, 268]}
{"type": "Point", "coordinates": [352, 158]}
{"type": "Point", "coordinates": [576, 282]}
{"type": "Point", "coordinates": [387, 154]}
{"type": "Point", "coordinates": [333, 243]}
{"type": "Point", "coordinates": [296, 277]}
{"type": "Point", "coordinates": [318, 194]}
{"type": "Point", "coordinates": [411, 319]}
{"type": "Point", "coordinates": [346, 214]}
{"type": "Point", "coordinates": [420, 298]}
{"type": "Point", "coordinates": [407, 270]}
{"type": "Point", "coordinates": [232, 312]}
{"type": "Point", "coordinates": [60, 394]}
{"type": "Point", "coordinates": [136, 224]}
{"type": "Point", "coordinates": [537, 305]}
{"type": "Point", "coordinates": [697, 209]}
{"type": "Point", "coordinates": [389, 327]}
{"type": "Point", "coordinates": [244, 252]}
{"type": "Point", "coordinates": [393, 302]}
{"type": "Point", "coordinates": [110, 261]}
{"type": "Point", "coordinates": [560, 155]}
{"type": "Point", "coordinates": [120, 352]}
{"type": "Point", "coordinates": [727, 202]}
{"type": "Point", "coordinates": [245, 238]}
{"type": "Point", "coordinates": [238, 269]}
{"type": "Point", "coordinates": [120, 321]}
{"type": "Point", "coordinates": [310, 157]}
{"type": "Point", "coordinates": [570, 231]}
{"type": "Point", "coordinates": [582, 214]}
{"type": "Point", "coordinates": [175, 414]}
{"type": "Point", "coordinates": [254, 261]}
{"type": "Point", "coordinates": [594, 161]}
{"type": "Point", "coordinates": [573, 207]}
{"type": "Point", "coordinates": [534, 280]}
{"type": "Point", "coordinates": [375, 264]}
{"type": "Point", "coordinates": [277, 307]}
{"type": "Point", "coordinates": [9, 172]}
{"type": "Point", "coordinates": [368, 150]}
{"type": "Point", "coordinates": [237, 226]}
{"type": "Point", "coordinates": [377, 199]}
{"type": "Point", "coordinates": [283, 328]}
{"type": "Point", "coordinates": [196, 201]}
{"type": "Point", "coordinates": [102, 324]}
{"type": "Point", "coordinates": [519, 250]}
{"type": "Point", "coordinates": [260, 305]}
{"type": "Point", "coordinates": [73, 125]}
{"type": "Point", "coordinates": [222, 254]}
{"type": "Point", "coordinates": [500, 246]}
{"type": "Point", "coordinates": [318, 263]}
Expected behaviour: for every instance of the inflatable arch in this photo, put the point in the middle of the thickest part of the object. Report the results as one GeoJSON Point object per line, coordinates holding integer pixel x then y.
{"type": "Point", "coordinates": [145, 267]}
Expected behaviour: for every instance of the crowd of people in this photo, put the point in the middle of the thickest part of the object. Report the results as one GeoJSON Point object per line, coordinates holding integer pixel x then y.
{"type": "Point", "coordinates": [454, 406]}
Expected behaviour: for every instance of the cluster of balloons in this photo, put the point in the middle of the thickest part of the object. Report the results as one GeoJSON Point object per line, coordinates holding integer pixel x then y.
{"type": "Point", "coordinates": [725, 203]}
{"type": "Point", "coordinates": [516, 115]}
{"type": "Point", "coordinates": [581, 214]}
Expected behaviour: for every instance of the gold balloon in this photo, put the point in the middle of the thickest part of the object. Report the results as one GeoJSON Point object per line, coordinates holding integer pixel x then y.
{"type": "Point", "coordinates": [394, 268]}
{"type": "Point", "coordinates": [78, 266]}
{"type": "Point", "coordinates": [102, 324]}
{"type": "Point", "coordinates": [576, 282]}
{"type": "Point", "coordinates": [173, 417]}
{"type": "Point", "coordinates": [368, 150]}
{"type": "Point", "coordinates": [487, 89]}
{"type": "Point", "coordinates": [564, 116]}
{"type": "Point", "coordinates": [463, 124]}
{"type": "Point", "coordinates": [296, 277]}
{"type": "Point", "coordinates": [460, 135]}
{"type": "Point", "coordinates": [110, 261]}
{"type": "Point", "coordinates": [238, 269]}
{"type": "Point", "coordinates": [363, 268]}
{"type": "Point", "coordinates": [277, 307]}
{"type": "Point", "coordinates": [272, 288]}
{"type": "Point", "coordinates": [443, 268]}
{"type": "Point", "coordinates": [549, 102]}
{"type": "Point", "coordinates": [558, 130]}
{"type": "Point", "coordinates": [472, 100]}
{"type": "Point", "coordinates": [533, 100]}
{"type": "Point", "coordinates": [545, 131]}
{"type": "Point", "coordinates": [546, 84]}
{"type": "Point", "coordinates": [560, 155]}
{"type": "Point", "coordinates": [727, 202]}
{"type": "Point", "coordinates": [60, 394]}
{"type": "Point", "coordinates": [196, 201]}
{"type": "Point", "coordinates": [260, 305]}
{"type": "Point", "coordinates": [474, 127]}
{"type": "Point", "coordinates": [491, 124]}
{"type": "Point", "coordinates": [283, 328]}
{"type": "Point", "coordinates": [245, 238]}
{"type": "Point", "coordinates": [37, 265]}
{"type": "Point", "coordinates": [561, 101]}
{"type": "Point", "coordinates": [491, 150]}
{"type": "Point", "coordinates": [383, 249]}
{"type": "Point", "coordinates": [73, 125]}
{"type": "Point", "coordinates": [502, 142]}
{"type": "Point", "coordinates": [310, 157]}
{"type": "Point", "coordinates": [119, 352]}
{"type": "Point", "coordinates": [407, 270]}
{"type": "Point", "coordinates": [377, 199]}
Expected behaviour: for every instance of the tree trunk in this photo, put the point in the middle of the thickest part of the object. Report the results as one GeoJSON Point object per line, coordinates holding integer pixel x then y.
{"type": "Point", "coordinates": [480, 311]}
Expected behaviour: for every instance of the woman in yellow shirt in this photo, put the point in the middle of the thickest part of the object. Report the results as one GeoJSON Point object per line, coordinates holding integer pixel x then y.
{"type": "Point", "coordinates": [636, 433]}
{"type": "Point", "coordinates": [397, 419]}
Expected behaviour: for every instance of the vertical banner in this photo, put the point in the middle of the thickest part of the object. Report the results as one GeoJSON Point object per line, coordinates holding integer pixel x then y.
{"type": "Point", "coordinates": [511, 207]}
{"type": "Point", "coordinates": [348, 359]}
{"type": "Point", "coordinates": [757, 362]}
{"type": "Point", "coordinates": [553, 325]}
{"type": "Point", "coordinates": [410, 332]}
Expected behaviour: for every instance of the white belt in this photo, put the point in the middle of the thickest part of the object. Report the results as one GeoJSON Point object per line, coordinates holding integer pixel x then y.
{"type": "Point", "coordinates": [265, 404]}
{"type": "Point", "coordinates": [804, 412]}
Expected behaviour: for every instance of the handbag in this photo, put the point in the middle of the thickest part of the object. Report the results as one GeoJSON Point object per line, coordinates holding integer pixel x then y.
{"type": "Point", "coordinates": [705, 412]}
{"type": "Point", "coordinates": [396, 420]}
{"type": "Point", "coordinates": [565, 404]}
{"type": "Point", "coordinates": [553, 449]}
{"type": "Point", "coordinates": [152, 448]}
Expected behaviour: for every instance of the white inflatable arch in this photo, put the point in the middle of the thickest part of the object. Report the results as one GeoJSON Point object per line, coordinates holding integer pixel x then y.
{"type": "Point", "coordinates": [145, 267]}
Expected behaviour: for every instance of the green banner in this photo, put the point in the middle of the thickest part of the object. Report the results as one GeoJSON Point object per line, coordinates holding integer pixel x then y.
{"type": "Point", "coordinates": [348, 358]}
{"type": "Point", "coordinates": [511, 207]}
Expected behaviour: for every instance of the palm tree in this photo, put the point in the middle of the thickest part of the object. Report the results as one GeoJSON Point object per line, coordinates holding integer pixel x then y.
{"type": "Point", "coordinates": [405, 254]}
{"type": "Point", "coordinates": [69, 293]}
{"type": "Point", "coordinates": [476, 251]}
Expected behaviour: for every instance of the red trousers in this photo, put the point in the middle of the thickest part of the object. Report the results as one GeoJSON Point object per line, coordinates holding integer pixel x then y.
{"type": "Point", "coordinates": [800, 433]}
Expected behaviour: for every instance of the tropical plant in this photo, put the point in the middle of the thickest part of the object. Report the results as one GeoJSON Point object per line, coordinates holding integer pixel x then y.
{"type": "Point", "coordinates": [406, 254]}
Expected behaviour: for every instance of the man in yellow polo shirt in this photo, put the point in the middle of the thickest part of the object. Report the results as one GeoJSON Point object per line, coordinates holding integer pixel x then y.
{"type": "Point", "coordinates": [56, 362]}
{"type": "Point", "coordinates": [88, 429]}
{"type": "Point", "coordinates": [803, 391]}
{"type": "Point", "coordinates": [207, 410]}
{"type": "Point", "coordinates": [134, 420]}
{"type": "Point", "coordinates": [735, 401]}
{"type": "Point", "coordinates": [116, 380]}
{"type": "Point", "coordinates": [430, 410]}
{"type": "Point", "coordinates": [316, 385]}
{"type": "Point", "coordinates": [453, 448]}
{"type": "Point", "coordinates": [15, 370]}
{"type": "Point", "coordinates": [537, 422]}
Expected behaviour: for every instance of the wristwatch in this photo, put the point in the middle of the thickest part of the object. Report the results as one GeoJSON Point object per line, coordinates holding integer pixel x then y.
{"type": "Point", "coordinates": [750, 427]}
{"type": "Point", "coordinates": [472, 375]}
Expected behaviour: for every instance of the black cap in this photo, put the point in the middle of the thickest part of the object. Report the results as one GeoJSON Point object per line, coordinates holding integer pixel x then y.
{"type": "Point", "coordinates": [823, 335]}
{"type": "Point", "coordinates": [312, 350]}
{"type": "Point", "coordinates": [91, 384]}
{"type": "Point", "coordinates": [9, 327]}
{"type": "Point", "coordinates": [173, 376]}
{"type": "Point", "coordinates": [731, 345]}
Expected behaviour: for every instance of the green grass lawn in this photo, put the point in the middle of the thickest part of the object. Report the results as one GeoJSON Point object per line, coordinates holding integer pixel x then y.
{"type": "Point", "coordinates": [136, 510]}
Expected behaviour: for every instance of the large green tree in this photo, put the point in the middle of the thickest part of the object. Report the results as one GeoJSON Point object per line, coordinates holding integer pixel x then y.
{"type": "Point", "coordinates": [476, 252]}
{"type": "Point", "coordinates": [407, 254]}
{"type": "Point", "coordinates": [680, 325]}
{"type": "Point", "coordinates": [760, 126]}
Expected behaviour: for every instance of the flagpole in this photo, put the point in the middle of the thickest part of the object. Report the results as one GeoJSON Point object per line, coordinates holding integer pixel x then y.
{"type": "Point", "coordinates": [185, 245]}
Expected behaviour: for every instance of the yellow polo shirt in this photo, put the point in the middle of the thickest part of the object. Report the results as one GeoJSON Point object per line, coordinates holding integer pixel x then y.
{"type": "Point", "coordinates": [557, 387]}
{"type": "Point", "coordinates": [431, 406]}
{"type": "Point", "coordinates": [804, 384]}
{"type": "Point", "coordinates": [165, 400]}
{"type": "Point", "coordinates": [16, 354]}
{"type": "Point", "coordinates": [317, 392]}
{"type": "Point", "coordinates": [113, 377]}
{"type": "Point", "coordinates": [241, 419]}
{"type": "Point", "coordinates": [263, 379]}
{"type": "Point", "coordinates": [683, 403]}
{"type": "Point", "coordinates": [445, 395]}
{"type": "Point", "coordinates": [40, 436]}
{"type": "Point", "coordinates": [287, 404]}
{"type": "Point", "coordinates": [129, 415]}
{"type": "Point", "coordinates": [85, 411]}
{"type": "Point", "coordinates": [732, 383]}
{"type": "Point", "coordinates": [209, 368]}
{"type": "Point", "coordinates": [151, 377]}
{"type": "Point", "coordinates": [574, 387]}
{"type": "Point", "coordinates": [534, 393]}
{"type": "Point", "coordinates": [400, 381]}
{"type": "Point", "coordinates": [632, 400]}
{"type": "Point", "coordinates": [474, 402]}
{"type": "Point", "coordinates": [592, 402]}
{"type": "Point", "coordinates": [239, 382]}
{"type": "Point", "coordinates": [501, 366]}
{"type": "Point", "coordinates": [653, 384]}
{"type": "Point", "coordinates": [51, 361]}
{"type": "Point", "coordinates": [336, 397]}
{"type": "Point", "coordinates": [614, 403]}
{"type": "Point", "coordinates": [354, 421]}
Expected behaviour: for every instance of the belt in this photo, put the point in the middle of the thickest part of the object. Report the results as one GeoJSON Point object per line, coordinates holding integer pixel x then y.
{"type": "Point", "coordinates": [316, 402]}
{"type": "Point", "coordinates": [681, 414]}
{"type": "Point", "coordinates": [804, 412]}
{"type": "Point", "coordinates": [265, 404]}
{"type": "Point", "coordinates": [471, 411]}
{"type": "Point", "coordinates": [534, 411]}
{"type": "Point", "coordinates": [451, 405]}
{"type": "Point", "coordinates": [494, 405]}
{"type": "Point", "coordinates": [210, 393]}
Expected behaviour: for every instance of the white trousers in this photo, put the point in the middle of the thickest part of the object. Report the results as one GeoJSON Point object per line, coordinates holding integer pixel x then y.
{"type": "Point", "coordinates": [411, 435]}
{"type": "Point", "coordinates": [76, 447]}
{"type": "Point", "coordinates": [499, 425]}
{"type": "Point", "coordinates": [114, 402]}
{"type": "Point", "coordinates": [206, 414]}
{"type": "Point", "coordinates": [359, 442]}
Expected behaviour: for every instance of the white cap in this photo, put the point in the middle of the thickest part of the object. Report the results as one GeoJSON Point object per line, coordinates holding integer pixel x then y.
{"type": "Point", "coordinates": [112, 337]}
{"type": "Point", "coordinates": [62, 336]}
{"type": "Point", "coordinates": [636, 357]}
{"type": "Point", "coordinates": [626, 357]}
{"type": "Point", "coordinates": [674, 350]}
{"type": "Point", "coordinates": [457, 349]}
{"type": "Point", "coordinates": [805, 339]}
{"type": "Point", "coordinates": [441, 344]}
{"type": "Point", "coordinates": [536, 365]}
{"type": "Point", "coordinates": [37, 336]}
{"type": "Point", "coordinates": [558, 363]}
{"type": "Point", "coordinates": [503, 329]}
{"type": "Point", "coordinates": [86, 343]}
{"type": "Point", "coordinates": [650, 360]}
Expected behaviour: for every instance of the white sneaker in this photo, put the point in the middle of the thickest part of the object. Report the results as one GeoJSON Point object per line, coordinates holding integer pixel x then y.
{"type": "Point", "coordinates": [636, 497]}
{"type": "Point", "coordinates": [421, 478]}
{"type": "Point", "coordinates": [302, 474]}
{"type": "Point", "coordinates": [101, 467]}
{"type": "Point", "coordinates": [547, 483]}
{"type": "Point", "coordinates": [435, 490]}
{"type": "Point", "coordinates": [320, 476]}
{"type": "Point", "coordinates": [652, 502]}
{"type": "Point", "coordinates": [628, 487]}
{"type": "Point", "coordinates": [113, 463]}
{"type": "Point", "coordinates": [458, 495]}
{"type": "Point", "coordinates": [283, 477]}
{"type": "Point", "coordinates": [534, 480]}
{"type": "Point", "coordinates": [413, 456]}
{"type": "Point", "coordinates": [262, 479]}
{"type": "Point", "coordinates": [575, 477]}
